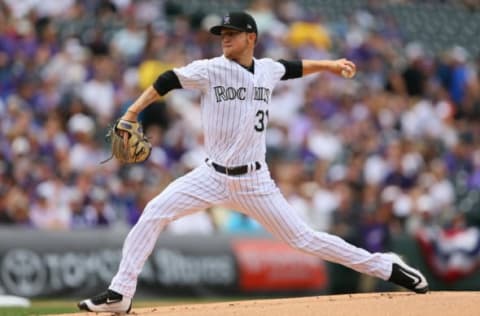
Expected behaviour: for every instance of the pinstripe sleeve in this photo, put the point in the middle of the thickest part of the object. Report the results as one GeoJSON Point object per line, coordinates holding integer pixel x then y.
{"type": "Point", "coordinates": [193, 75]}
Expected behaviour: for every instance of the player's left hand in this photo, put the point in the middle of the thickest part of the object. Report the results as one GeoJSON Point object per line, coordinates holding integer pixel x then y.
{"type": "Point", "coordinates": [344, 67]}
{"type": "Point", "coordinates": [129, 144]}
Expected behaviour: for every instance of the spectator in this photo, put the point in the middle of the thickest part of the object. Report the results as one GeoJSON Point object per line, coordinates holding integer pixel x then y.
{"type": "Point", "coordinates": [99, 212]}
{"type": "Point", "coordinates": [43, 214]}
{"type": "Point", "coordinates": [395, 148]}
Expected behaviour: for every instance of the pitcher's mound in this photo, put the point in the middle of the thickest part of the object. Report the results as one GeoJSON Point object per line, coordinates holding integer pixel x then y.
{"type": "Point", "coordinates": [372, 304]}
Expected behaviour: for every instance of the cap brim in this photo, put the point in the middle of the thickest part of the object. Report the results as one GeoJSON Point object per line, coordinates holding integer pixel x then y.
{"type": "Point", "coordinates": [217, 29]}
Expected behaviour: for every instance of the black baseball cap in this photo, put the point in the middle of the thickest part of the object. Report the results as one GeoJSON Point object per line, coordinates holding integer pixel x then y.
{"type": "Point", "coordinates": [239, 21]}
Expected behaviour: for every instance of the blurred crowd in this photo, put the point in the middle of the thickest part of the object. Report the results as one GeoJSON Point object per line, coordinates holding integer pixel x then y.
{"type": "Point", "coordinates": [394, 149]}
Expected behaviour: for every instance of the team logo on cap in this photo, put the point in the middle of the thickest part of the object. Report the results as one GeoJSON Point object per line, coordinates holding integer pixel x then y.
{"type": "Point", "coordinates": [249, 26]}
{"type": "Point", "coordinates": [226, 19]}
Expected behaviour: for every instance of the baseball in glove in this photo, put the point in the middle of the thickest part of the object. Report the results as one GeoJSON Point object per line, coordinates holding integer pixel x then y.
{"type": "Point", "coordinates": [129, 144]}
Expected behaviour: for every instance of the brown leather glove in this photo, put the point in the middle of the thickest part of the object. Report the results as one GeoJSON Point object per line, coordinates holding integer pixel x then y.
{"type": "Point", "coordinates": [129, 144]}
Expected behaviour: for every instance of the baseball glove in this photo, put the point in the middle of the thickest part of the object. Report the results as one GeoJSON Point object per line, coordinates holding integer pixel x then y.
{"type": "Point", "coordinates": [129, 144]}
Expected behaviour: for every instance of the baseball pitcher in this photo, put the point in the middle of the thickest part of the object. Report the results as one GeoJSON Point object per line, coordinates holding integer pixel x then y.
{"type": "Point", "coordinates": [236, 90]}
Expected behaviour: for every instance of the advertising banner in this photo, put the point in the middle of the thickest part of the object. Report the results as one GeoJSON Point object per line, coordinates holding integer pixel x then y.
{"type": "Point", "coordinates": [269, 265]}
{"type": "Point", "coordinates": [80, 263]}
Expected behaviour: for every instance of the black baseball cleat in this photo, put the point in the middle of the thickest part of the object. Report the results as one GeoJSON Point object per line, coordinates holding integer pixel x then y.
{"type": "Point", "coordinates": [406, 276]}
{"type": "Point", "coordinates": [108, 301]}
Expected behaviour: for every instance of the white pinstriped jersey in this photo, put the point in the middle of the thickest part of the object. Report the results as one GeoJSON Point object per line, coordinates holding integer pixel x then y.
{"type": "Point", "coordinates": [234, 106]}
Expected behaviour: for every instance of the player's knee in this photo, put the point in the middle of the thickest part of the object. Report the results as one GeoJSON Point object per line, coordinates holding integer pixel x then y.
{"type": "Point", "coordinates": [297, 243]}
{"type": "Point", "coordinates": [149, 209]}
{"type": "Point", "coordinates": [302, 241]}
{"type": "Point", "coordinates": [154, 211]}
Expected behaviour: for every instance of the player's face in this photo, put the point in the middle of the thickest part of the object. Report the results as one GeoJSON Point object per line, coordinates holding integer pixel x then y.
{"type": "Point", "coordinates": [234, 43]}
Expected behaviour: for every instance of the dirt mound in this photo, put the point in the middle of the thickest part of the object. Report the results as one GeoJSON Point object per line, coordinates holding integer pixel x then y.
{"type": "Point", "coordinates": [373, 304]}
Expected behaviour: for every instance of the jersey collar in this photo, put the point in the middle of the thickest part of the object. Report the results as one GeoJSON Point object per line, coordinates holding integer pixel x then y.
{"type": "Point", "coordinates": [250, 69]}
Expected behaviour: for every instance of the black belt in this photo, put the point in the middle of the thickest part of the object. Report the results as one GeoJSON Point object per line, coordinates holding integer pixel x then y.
{"type": "Point", "coordinates": [232, 171]}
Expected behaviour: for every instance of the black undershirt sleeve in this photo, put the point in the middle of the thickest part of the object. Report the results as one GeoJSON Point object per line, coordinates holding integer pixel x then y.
{"type": "Point", "coordinates": [293, 69]}
{"type": "Point", "coordinates": [166, 82]}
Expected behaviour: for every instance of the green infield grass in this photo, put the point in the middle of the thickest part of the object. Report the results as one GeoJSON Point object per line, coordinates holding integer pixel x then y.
{"type": "Point", "coordinates": [52, 307]}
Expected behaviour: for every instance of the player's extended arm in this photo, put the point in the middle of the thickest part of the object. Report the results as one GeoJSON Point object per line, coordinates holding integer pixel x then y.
{"type": "Point", "coordinates": [148, 96]}
{"type": "Point", "coordinates": [334, 66]}
{"type": "Point", "coordinates": [164, 83]}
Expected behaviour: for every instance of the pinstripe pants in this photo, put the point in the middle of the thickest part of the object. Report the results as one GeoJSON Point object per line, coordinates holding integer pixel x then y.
{"type": "Point", "coordinates": [254, 194]}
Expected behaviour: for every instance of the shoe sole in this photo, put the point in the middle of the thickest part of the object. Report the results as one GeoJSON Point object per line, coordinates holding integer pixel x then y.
{"type": "Point", "coordinates": [84, 307]}
{"type": "Point", "coordinates": [423, 290]}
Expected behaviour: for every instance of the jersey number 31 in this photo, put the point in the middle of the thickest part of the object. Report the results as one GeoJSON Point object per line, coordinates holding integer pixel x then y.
{"type": "Point", "coordinates": [262, 120]}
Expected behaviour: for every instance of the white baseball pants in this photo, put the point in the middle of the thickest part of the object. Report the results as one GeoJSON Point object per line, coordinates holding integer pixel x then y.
{"type": "Point", "coordinates": [254, 194]}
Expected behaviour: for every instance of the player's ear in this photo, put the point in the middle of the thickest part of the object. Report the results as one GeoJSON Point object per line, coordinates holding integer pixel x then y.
{"type": "Point", "coordinates": [253, 37]}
